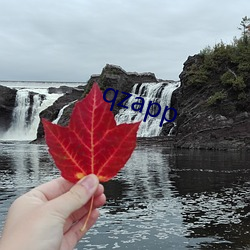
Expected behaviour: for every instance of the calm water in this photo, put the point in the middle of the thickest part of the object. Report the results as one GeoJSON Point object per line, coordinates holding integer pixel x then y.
{"type": "Point", "coordinates": [161, 200]}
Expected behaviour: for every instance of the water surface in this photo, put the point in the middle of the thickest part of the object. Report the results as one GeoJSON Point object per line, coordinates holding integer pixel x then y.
{"type": "Point", "coordinates": [161, 200]}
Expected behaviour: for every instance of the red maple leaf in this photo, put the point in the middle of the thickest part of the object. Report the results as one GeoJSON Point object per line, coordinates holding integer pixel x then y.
{"type": "Point", "coordinates": [92, 142]}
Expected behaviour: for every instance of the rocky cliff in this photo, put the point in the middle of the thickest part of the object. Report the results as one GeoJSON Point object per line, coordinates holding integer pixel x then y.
{"type": "Point", "coordinates": [112, 76]}
{"type": "Point", "coordinates": [211, 115]}
{"type": "Point", "coordinates": [115, 77]}
{"type": "Point", "coordinates": [7, 104]}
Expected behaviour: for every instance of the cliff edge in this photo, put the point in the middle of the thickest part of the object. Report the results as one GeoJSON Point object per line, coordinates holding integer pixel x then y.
{"type": "Point", "coordinates": [213, 102]}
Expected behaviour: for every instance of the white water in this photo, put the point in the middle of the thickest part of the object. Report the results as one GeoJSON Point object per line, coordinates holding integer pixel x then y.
{"type": "Point", "coordinates": [24, 122]}
{"type": "Point", "coordinates": [155, 92]}
{"type": "Point", "coordinates": [26, 118]}
{"type": "Point", "coordinates": [61, 112]}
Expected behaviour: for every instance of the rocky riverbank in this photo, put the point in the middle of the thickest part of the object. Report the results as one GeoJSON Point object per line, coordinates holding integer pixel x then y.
{"type": "Point", "coordinates": [206, 119]}
{"type": "Point", "coordinates": [210, 115]}
{"type": "Point", "coordinates": [111, 76]}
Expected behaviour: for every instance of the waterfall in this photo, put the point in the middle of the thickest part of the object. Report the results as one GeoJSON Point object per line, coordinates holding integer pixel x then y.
{"type": "Point", "coordinates": [25, 117]}
{"type": "Point", "coordinates": [156, 92]}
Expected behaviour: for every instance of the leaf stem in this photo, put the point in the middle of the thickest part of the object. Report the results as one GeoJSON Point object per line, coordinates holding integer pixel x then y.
{"type": "Point", "coordinates": [84, 228]}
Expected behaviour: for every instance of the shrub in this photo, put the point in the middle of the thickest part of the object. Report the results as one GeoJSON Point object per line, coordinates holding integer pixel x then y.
{"type": "Point", "coordinates": [231, 79]}
{"type": "Point", "coordinates": [197, 75]}
{"type": "Point", "coordinates": [242, 96]}
{"type": "Point", "coordinates": [206, 51]}
{"type": "Point", "coordinates": [216, 98]}
{"type": "Point", "coordinates": [239, 84]}
{"type": "Point", "coordinates": [227, 78]}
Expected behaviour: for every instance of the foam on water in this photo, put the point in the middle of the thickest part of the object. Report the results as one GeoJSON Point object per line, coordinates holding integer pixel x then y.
{"type": "Point", "coordinates": [156, 92]}
{"type": "Point", "coordinates": [25, 117]}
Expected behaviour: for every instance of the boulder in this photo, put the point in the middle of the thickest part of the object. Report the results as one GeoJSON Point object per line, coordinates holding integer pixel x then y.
{"type": "Point", "coordinates": [115, 77]}
{"type": "Point", "coordinates": [64, 89]}
{"type": "Point", "coordinates": [111, 77]}
{"type": "Point", "coordinates": [7, 104]}
{"type": "Point", "coordinates": [52, 112]}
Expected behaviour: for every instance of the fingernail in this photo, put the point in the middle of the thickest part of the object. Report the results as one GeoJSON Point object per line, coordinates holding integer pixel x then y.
{"type": "Point", "coordinates": [89, 182]}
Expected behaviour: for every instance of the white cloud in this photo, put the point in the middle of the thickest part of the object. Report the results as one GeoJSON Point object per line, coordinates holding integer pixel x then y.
{"type": "Point", "coordinates": [70, 40]}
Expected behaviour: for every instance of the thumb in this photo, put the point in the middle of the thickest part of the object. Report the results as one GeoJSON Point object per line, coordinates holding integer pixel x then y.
{"type": "Point", "coordinates": [76, 197]}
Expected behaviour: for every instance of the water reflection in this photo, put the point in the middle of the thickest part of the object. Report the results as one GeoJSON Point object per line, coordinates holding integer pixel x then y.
{"type": "Point", "coordinates": [22, 167]}
{"type": "Point", "coordinates": [160, 200]}
{"type": "Point", "coordinates": [141, 207]}
{"type": "Point", "coordinates": [214, 187]}
{"type": "Point", "coordinates": [26, 164]}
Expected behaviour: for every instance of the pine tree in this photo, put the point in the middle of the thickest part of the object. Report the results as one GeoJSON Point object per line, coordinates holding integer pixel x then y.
{"type": "Point", "coordinates": [245, 28]}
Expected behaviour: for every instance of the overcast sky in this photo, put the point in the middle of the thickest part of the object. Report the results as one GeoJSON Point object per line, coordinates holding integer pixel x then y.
{"type": "Point", "coordinates": [68, 40]}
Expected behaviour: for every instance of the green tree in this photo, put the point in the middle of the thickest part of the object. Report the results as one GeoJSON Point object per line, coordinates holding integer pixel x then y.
{"type": "Point", "coordinates": [245, 28]}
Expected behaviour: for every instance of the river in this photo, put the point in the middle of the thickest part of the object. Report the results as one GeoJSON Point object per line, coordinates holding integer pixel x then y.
{"type": "Point", "coordinates": [162, 199]}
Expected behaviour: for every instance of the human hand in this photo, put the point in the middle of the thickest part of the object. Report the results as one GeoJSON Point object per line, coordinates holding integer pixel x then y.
{"type": "Point", "coordinates": [50, 216]}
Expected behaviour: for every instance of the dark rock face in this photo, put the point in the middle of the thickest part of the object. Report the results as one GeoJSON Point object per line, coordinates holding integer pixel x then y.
{"type": "Point", "coordinates": [117, 78]}
{"type": "Point", "coordinates": [31, 101]}
{"type": "Point", "coordinates": [7, 104]}
{"type": "Point", "coordinates": [111, 77]}
{"type": "Point", "coordinates": [111, 72]}
{"type": "Point", "coordinates": [170, 128]}
{"type": "Point", "coordinates": [63, 89]}
{"type": "Point", "coordinates": [223, 126]}
{"type": "Point", "coordinates": [52, 112]}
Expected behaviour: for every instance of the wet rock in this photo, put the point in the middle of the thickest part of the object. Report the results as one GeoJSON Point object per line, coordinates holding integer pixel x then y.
{"type": "Point", "coordinates": [112, 76]}
{"type": "Point", "coordinates": [64, 89]}
{"type": "Point", "coordinates": [60, 90]}
{"type": "Point", "coordinates": [52, 112]}
{"type": "Point", "coordinates": [7, 105]}
{"type": "Point", "coordinates": [115, 77]}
